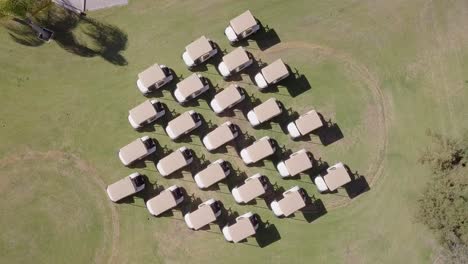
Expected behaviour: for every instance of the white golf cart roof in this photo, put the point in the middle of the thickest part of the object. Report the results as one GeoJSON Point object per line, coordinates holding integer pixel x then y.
{"type": "Point", "coordinates": [162, 202]}
{"type": "Point", "coordinates": [266, 110]}
{"type": "Point", "coordinates": [121, 189]}
{"type": "Point", "coordinates": [199, 48]}
{"type": "Point", "coordinates": [182, 123]}
{"type": "Point", "coordinates": [211, 174]}
{"type": "Point", "coordinates": [291, 202]}
{"type": "Point", "coordinates": [143, 112]}
{"type": "Point", "coordinates": [190, 85]}
{"type": "Point", "coordinates": [202, 216]}
{"type": "Point", "coordinates": [235, 58]}
{"type": "Point", "coordinates": [274, 71]}
{"type": "Point", "coordinates": [242, 229]}
{"type": "Point", "coordinates": [228, 96]}
{"type": "Point", "coordinates": [220, 135]}
{"type": "Point", "coordinates": [134, 150]}
{"type": "Point", "coordinates": [243, 22]}
{"type": "Point", "coordinates": [298, 162]}
{"type": "Point", "coordinates": [260, 149]}
{"type": "Point", "coordinates": [172, 162]}
{"type": "Point", "coordinates": [151, 75]}
{"type": "Point", "coordinates": [308, 122]}
{"type": "Point", "coordinates": [251, 189]}
{"type": "Point", "coordinates": [336, 176]}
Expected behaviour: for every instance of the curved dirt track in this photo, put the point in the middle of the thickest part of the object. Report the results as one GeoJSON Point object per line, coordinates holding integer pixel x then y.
{"type": "Point", "coordinates": [87, 170]}
{"type": "Point", "coordinates": [377, 164]}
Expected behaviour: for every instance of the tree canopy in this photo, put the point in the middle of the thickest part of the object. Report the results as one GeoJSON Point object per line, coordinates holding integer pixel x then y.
{"type": "Point", "coordinates": [444, 203]}
{"type": "Point", "coordinates": [21, 8]}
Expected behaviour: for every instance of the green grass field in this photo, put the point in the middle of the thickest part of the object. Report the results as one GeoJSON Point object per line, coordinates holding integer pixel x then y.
{"type": "Point", "coordinates": [383, 71]}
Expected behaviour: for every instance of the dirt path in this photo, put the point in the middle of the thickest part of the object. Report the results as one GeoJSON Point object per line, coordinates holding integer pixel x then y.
{"type": "Point", "coordinates": [377, 165]}
{"type": "Point", "coordinates": [114, 215]}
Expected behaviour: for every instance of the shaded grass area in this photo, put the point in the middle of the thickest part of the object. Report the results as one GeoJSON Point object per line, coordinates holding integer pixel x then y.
{"type": "Point", "coordinates": [100, 39]}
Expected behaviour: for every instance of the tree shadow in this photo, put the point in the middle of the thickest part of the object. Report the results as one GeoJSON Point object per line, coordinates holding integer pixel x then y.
{"type": "Point", "coordinates": [107, 41]}
{"type": "Point", "coordinates": [22, 33]}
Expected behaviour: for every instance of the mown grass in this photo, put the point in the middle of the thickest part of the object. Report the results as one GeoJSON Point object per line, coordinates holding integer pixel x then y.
{"type": "Point", "coordinates": [53, 99]}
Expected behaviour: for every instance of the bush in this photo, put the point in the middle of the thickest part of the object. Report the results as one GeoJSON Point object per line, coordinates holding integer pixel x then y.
{"type": "Point", "coordinates": [443, 154]}
{"type": "Point", "coordinates": [444, 203]}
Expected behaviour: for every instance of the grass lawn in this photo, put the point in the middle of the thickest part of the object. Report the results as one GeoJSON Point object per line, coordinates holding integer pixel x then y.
{"type": "Point", "coordinates": [382, 73]}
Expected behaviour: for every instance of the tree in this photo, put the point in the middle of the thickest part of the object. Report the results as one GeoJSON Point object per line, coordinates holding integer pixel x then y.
{"type": "Point", "coordinates": [22, 8]}
{"type": "Point", "coordinates": [444, 203]}
{"type": "Point", "coordinates": [75, 33]}
{"type": "Point", "coordinates": [23, 11]}
{"type": "Point", "coordinates": [443, 154]}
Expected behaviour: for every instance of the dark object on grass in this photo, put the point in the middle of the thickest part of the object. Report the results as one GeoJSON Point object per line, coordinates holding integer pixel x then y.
{"type": "Point", "coordinates": [42, 32]}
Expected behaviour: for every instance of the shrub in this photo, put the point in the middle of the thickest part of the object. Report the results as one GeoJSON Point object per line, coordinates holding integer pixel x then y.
{"type": "Point", "coordinates": [443, 154]}
{"type": "Point", "coordinates": [444, 203]}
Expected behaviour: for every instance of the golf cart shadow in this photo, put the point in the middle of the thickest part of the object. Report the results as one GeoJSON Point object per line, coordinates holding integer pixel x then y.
{"type": "Point", "coordinates": [296, 83]}
{"type": "Point", "coordinates": [190, 204]}
{"type": "Point", "coordinates": [236, 178]}
{"type": "Point", "coordinates": [358, 184]}
{"type": "Point", "coordinates": [274, 192]}
{"type": "Point", "coordinates": [228, 216]}
{"type": "Point", "coordinates": [286, 117]}
{"type": "Point", "coordinates": [265, 38]}
{"type": "Point", "coordinates": [329, 133]}
{"type": "Point", "coordinates": [243, 140]}
{"type": "Point", "coordinates": [150, 191]}
{"type": "Point", "coordinates": [267, 234]}
{"type": "Point", "coordinates": [314, 209]}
